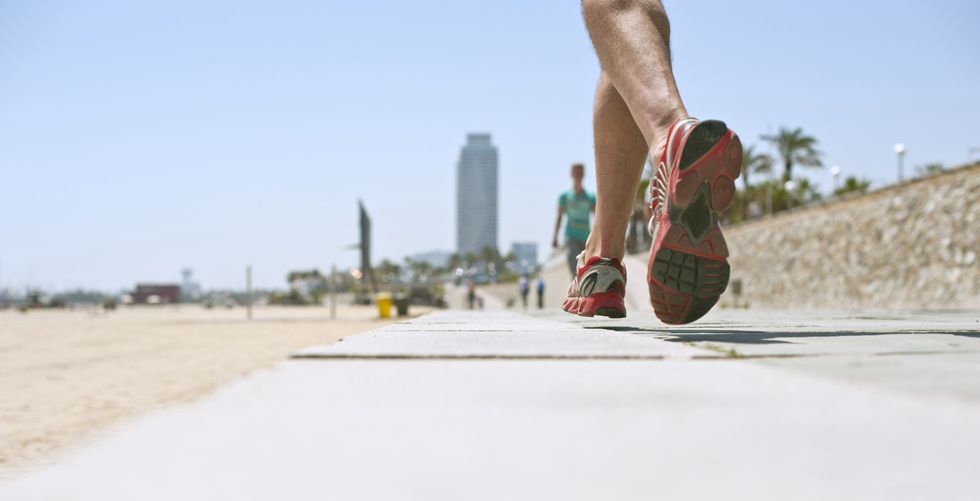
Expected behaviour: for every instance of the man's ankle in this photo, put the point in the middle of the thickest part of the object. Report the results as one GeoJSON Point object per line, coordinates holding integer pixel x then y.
{"type": "Point", "coordinates": [662, 127]}
{"type": "Point", "coordinates": [608, 251]}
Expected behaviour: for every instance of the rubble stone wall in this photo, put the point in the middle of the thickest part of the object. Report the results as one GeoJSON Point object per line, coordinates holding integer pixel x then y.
{"type": "Point", "coordinates": [913, 245]}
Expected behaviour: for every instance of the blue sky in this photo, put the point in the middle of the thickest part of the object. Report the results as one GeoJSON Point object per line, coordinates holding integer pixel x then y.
{"type": "Point", "coordinates": [137, 138]}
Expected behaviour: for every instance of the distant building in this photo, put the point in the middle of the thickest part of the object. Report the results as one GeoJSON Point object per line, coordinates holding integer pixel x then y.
{"type": "Point", "coordinates": [189, 289]}
{"type": "Point", "coordinates": [526, 256]}
{"type": "Point", "coordinates": [476, 195]}
{"type": "Point", "coordinates": [156, 294]}
{"type": "Point", "coordinates": [436, 259]}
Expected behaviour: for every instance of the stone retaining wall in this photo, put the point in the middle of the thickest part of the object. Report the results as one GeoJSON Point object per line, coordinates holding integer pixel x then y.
{"type": "Point", "coordinates": [913, 245]}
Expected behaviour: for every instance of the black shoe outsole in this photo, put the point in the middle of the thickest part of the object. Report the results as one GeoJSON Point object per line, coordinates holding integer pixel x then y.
{"type": "Point", "coordinates": [705, 136]}
{"type": "Point", "coordinates": [610, 312]}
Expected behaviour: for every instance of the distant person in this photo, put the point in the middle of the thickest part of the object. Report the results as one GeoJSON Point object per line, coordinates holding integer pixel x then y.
{"type": "Point", "coordinates": [638, 113]}
{"type": "Point", "coordinates": [525, 287]}
{"type": "Point", "coordinates": [578, 205]}
{"type": "Point", "coordinates": [471, 293]}
{"type": "Point", "coordinates": [540, 287]}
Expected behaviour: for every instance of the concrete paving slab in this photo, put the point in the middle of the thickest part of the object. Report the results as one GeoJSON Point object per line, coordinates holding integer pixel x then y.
{"type": "Point", "coordinates": [360, 429]}
{"type": "Point", "coordinates": [926, 354]}
{"type": "Point", "coordinates": [551, 421]}
{"type": "Point", "coordinates": [767, 333]}
{"type": "Point", "coordinates": [497, 334]}
{"type": "Point", "coordinates": [926, 377]}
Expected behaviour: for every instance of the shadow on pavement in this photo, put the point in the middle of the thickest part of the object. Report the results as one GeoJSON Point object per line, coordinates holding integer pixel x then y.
{"type": "Point", "coordinates": [762, 337]}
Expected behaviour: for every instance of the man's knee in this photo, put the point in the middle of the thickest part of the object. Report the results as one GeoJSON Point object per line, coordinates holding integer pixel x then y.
{"type": "Point", "coordinates": [604, 8]}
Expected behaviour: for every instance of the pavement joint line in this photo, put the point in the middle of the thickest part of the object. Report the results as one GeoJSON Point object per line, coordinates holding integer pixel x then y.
{"type": "Point", "coordinates": [350, 356]}
{"type": "Point", "coordinates": [667, 333]}
{"type": "Point", "coordinates": [743, 356]}
{"type": "Point", "coordinates": [899, 353]}
{"type": "Point", "coordinates": [720, 356]}
{"type": "Point", "coordinates": [472, 330]}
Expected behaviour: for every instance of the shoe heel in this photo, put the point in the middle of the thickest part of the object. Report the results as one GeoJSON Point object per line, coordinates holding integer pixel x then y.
{"type": "Point", "coordinates": [607, 304]}
{"type": "Point", "coordinates": [701, 139]}
{"type": "Point", "coordinates": [713, 159]}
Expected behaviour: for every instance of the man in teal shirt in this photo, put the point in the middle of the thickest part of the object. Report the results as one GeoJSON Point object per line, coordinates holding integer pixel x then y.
{"type": "Point", "coordinates": [579, 205]}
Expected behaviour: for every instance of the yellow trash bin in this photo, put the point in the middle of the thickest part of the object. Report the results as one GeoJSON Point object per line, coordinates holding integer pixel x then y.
{"type": "Point", "coordinates": [384, 305]}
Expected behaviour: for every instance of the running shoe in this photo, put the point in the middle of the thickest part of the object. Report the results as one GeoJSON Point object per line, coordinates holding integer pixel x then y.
{"type": "Point", "coordinates": [694, 182]}
{"type": "Point", "coordinates": [599, 288]}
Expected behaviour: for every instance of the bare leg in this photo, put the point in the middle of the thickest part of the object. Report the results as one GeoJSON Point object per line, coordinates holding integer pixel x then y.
{"type": "Point", "coordinates": [620, 152]}
{"type": "Point", "coordinates": [632, 40]}
{"type": "Point", "coordinates": [636, 102]}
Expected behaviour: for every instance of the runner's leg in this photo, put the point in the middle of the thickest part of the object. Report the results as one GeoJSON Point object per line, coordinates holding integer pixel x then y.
{"type": "Point", "coordinates": [636, 102]}
{"type": "Point", "coordinates": [620, 153]}
{"type": "Point", "coordinates": [632, 40]}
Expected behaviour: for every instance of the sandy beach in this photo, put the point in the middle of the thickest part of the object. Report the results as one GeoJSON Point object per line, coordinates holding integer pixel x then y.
{"type": "Point", "coordinates": [67, 376]}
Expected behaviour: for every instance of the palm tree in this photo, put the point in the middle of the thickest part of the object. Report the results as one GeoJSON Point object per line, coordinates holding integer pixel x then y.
{"type": "Point", "coordinates": [455, 261]}
{"type": "Point", "coordinates": [853, 184]}
{"type": "Point", "coordinates": [754, 162]}
{"type": "Point", "coordinates": [388, 270]}
{"type": "Point", "coordinates": [489, 254]}
{"type": "Point", "coordinates": [806, 191]}
{"type": "Point", "coordinates": [794, 148]}
{"type": "Point", "coordinates": [420, 269]}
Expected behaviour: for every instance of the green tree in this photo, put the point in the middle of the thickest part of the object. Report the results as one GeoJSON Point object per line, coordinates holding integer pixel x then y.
{"type": "Point", "coordinates": [794, 148]}
{"type": "Point", "coordinates": [636, 234]}
{"type": "Point", "coordinates": [641, 191]}
{"type": "Point", "coordinates": [931, 168]}
{"type": "Point", "coordinates": [305, 287]}
{"type": "Point", "coordinates": [754, 162]}
{"type": "Point", "coordinates": [802, 192]}
{"type": "Point", "coordinates": [420, 269]}
{"type": "Point", "coordinates": [493, 260]}
{"type": "Point", "coordinates": [295, 275]}
{"type": "Point", "coordinates": [455, 261]}
{"type": "Point", "coordinates": [853, 184]}
{"type": "Point", "coordinates": [388, 271]}
{"type": "Point", "coordinates": [489, 254]}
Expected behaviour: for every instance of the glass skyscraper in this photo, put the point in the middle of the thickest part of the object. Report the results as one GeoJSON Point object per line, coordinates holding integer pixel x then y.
{"type": "Point", "coordinates": [476, 195]}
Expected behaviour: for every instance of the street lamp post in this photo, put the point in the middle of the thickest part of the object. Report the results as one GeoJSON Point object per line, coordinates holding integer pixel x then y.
{"type": "Point", "coordinates": [333, 292]}
{"type": "Point", "coordinates": [900, 152]}
{"type": "Point", "coordinates": [835, 171]}
{"type": "Point", "coordinates": [248, 292]}
{"type": "Point", "coordinates": [772, 180]}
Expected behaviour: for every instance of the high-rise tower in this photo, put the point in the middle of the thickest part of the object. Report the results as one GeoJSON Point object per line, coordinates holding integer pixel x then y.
{"type": "Point", "coordinates": [476, 195]}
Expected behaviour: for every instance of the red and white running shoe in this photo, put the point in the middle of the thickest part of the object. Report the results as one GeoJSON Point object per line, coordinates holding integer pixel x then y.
{"type": "Point", "coordinates": [694, 182]}
{"type": "Point", "coordinates": [598, 288]}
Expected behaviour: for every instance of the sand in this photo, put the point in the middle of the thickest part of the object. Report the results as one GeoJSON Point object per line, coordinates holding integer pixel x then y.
{"type": "Point", "coordinates": [68, 376]}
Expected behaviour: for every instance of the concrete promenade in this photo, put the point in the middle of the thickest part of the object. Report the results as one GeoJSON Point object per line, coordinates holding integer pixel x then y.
{"type": "Point", "coordinates": [499, 405]}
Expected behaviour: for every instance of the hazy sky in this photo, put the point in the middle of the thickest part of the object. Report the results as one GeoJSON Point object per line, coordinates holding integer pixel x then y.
{"type": "Point", "coordinates": [137, 138]}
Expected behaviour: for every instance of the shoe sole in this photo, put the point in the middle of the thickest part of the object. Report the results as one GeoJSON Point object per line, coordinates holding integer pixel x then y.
{"type": "Point", "coordinates": [603, 304]}
{"type": "Point", "coordinates": [690, 271]}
